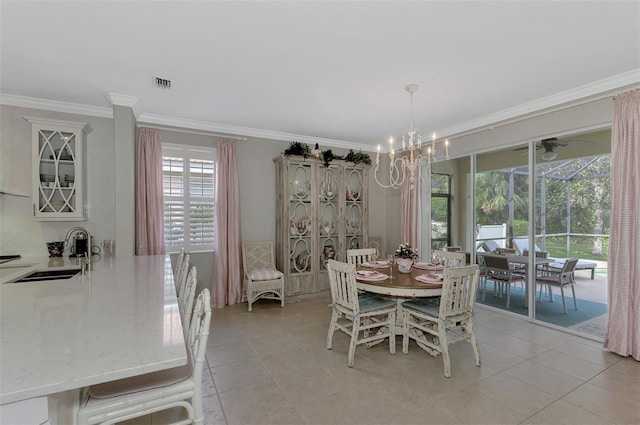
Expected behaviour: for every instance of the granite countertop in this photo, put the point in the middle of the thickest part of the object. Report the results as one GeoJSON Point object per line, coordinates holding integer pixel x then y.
{"type": "Point", "coordinates": [120, 319]}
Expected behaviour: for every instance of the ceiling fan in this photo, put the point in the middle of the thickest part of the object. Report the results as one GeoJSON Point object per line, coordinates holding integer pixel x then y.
{"type": "Point", "coordinates": [550, 145]}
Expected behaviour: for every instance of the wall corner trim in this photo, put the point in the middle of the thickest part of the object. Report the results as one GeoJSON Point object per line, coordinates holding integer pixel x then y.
{"type": "Point", "coordinates": [117, 99]}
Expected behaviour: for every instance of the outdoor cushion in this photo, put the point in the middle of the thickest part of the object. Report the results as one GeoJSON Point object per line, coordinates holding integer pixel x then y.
{"type": "Point", "coordinates": [558, 263]}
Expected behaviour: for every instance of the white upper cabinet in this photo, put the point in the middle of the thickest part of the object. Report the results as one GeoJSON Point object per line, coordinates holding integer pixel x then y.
{"type": "Point", "coordinates": [58, 169]}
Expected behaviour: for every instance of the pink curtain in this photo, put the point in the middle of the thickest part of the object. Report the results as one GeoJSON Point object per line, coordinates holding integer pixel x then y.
{"type": "Point", "coordinates": [410, 212]}
{"type": "Point", "coordinates": [227, 279]}
{"type": "Point", "coordinates": [149, 207]}
{"type": "Point", "coordinates": [623, 326]}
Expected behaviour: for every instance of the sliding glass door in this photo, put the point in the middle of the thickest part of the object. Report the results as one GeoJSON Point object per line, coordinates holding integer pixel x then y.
{"type": "Point", "coordinates": [541, 204]}
{"type": "Point", "coordinates": [501, 211]}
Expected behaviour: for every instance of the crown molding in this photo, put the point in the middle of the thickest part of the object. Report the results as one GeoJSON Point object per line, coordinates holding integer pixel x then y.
{"type": "Point", "coordinates": [55, 105]}
{"type": "Point", "coordinates": [587, 93]}
{"type": "Point", "coordinates": [563, 100]}
{"type": "Point", "coordinates": [117, 99]}
{"type": "Point", "coordinates": [206, 126]}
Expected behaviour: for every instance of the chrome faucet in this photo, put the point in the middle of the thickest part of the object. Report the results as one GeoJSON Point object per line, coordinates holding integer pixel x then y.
{"type": "Point", "coordinates": [86, 234]}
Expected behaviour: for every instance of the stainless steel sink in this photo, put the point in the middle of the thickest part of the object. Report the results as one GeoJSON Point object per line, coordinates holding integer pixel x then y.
{"type": "Point", "coordinates": [49, 275]}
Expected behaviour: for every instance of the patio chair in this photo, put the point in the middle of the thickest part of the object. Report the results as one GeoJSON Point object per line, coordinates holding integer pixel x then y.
{"type": "Point", "coordinates": [560, 279]}
{"type": "Point", "coordinates": [354, 313]}
{"type": "Point", "coordinates": [502, 275]}
{"type": "Point", "coordinates": [433, 327]}
{"type": "Point", "coordinates": [484, 272]}
{"type": "Point", "coordinates": [129, 398]}
{"type": "Point", "coordinates": [505, 251]}
{"type": "Point", "coordinates": [522, 245]}
{"type": "Point", "coordinates": [261, 278]}
{"type": "Point", "coordinates": [542, 268]}
{"type": "Point", "coordinates": [489, 246]}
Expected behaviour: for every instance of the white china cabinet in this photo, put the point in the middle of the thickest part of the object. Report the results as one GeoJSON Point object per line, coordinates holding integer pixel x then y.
{"type": "Point", "coordinates": [321, 212]}
{"type": "Point", "coordinates": [58, 169]}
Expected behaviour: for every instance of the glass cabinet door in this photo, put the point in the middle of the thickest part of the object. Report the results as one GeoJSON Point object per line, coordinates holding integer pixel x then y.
{"type": "Point", "coordinates": [58, 169]}
{"type": "Point", "coordinates": [328, 215]}
{"type": "Point", "coordinates": [300, 217]}
{"type": "Point", "coordinates": [354, 209]}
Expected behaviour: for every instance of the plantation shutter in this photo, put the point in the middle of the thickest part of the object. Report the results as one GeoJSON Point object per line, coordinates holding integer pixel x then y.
{"type": "Point", "coordinates": [189, 197]}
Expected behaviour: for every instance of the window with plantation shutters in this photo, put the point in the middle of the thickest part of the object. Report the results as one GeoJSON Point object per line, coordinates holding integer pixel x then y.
{"type": "Point", "coordinates": [189, 174]}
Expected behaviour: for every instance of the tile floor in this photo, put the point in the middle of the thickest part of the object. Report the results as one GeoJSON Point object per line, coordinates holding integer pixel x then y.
{"type": "Point", "coordinates": [271, 367]}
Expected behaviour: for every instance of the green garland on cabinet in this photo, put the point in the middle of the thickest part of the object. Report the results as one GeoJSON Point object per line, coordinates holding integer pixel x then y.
{"type": "Point", "coordinates": [302, 149]}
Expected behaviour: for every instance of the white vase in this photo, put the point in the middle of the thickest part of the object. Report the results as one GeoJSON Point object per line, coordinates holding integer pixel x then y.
{"type": "Point", "coordinates": [403, 269]}
{"type": "Point", "coordinates": [404, 265]}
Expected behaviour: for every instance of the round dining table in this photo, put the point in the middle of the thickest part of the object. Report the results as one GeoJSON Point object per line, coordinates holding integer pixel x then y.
{"type": "Point", "coordinates": [402, 286]}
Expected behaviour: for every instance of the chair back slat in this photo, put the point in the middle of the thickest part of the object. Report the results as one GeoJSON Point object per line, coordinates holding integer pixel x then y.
{"type": "Point", "coordinates": [458, 291]}
{"type": "Point", "coordinates": [453, 258]}
{"type": "Point", "coordinates": [359, 256]}
{"type": "Point", "coordinates": [342, 282]}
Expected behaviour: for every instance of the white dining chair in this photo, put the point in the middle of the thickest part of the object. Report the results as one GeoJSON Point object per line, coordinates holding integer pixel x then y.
{"type": "Point", "coordinates": [178, 262]}
{"type": "Point", "coordinates": [452, 258]}
{"type": "Point", "coordinates": [354, 313]}
{"type": "Point", "coordinates": [435, 326]}
{"type": "Point", "coordinates": [362, 255]}
{"type": "Point", "coordinates": [261, 278]}
{"type": "Point", "coordinates": [183, 271]}
{"type": "Point", "coordinates": [186, 298]}
{"type": "Point", "coordinates": [137, 396]}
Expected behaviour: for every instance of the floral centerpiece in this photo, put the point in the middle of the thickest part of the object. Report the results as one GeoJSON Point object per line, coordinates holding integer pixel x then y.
{"type": "Point", "coordinates": [405, 251]}
{"type": "Point", "coordinates": [405, 256]}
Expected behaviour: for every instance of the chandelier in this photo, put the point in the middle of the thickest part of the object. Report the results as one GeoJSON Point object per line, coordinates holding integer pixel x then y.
{"type": "Point", "coordinates": [411, 158]}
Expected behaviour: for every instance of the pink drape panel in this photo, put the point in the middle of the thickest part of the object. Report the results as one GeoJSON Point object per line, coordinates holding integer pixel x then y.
{"type": "Point", "coordinates": [149, 207]}
{"type": "Point", "coordinates": [410, 212]}
{"type": "Point", "coordinates": [227, 278]}
{"type": "Point", "coordinates": [623, 326]}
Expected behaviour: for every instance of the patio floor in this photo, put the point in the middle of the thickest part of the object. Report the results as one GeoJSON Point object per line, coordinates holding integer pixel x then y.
{"type": "Point", "coordinates": [591, 296]}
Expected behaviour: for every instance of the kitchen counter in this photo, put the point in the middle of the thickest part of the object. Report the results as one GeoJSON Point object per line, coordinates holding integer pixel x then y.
{"type": "Point", "coordinates": [121, 319]}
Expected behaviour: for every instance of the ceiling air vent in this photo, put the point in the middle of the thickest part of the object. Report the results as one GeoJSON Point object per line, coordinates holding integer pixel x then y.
{"type": "Point", "coordinates": [163, 83]}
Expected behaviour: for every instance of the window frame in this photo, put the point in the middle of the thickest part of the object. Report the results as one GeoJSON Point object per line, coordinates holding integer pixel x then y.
{"type": "Point", "coordinates": [447, 196]}
{"type": "Point", "coordinates": [189, 153]}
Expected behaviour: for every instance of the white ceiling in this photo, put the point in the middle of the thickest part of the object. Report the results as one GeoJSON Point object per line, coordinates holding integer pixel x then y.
{"type": "Point", "coordinates": [329, 70]}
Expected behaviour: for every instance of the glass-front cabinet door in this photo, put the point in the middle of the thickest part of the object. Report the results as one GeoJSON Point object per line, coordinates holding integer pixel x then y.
{"type": "Point", "coordinates": [300, 214]}
{"type": "Point", "coordinates": [354, 217]}
{"type": "Point", "coordinates": [329, 215]}
{"type": "Point", "coordinates": [321, 212]}
{"type": "Point", "coordinates": [58, 176]}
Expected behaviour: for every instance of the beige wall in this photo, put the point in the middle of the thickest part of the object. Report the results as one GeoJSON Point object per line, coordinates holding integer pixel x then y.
{"type": "Point", "coordinates": [18, 233]}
